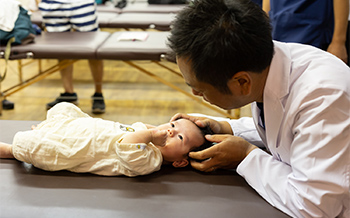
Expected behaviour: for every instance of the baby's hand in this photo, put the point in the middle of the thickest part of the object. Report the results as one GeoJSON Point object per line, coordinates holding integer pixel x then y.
{"type": "Point", "coordinates": [159, 137]}
{"type": "Point", "coordinates": [34, 127]}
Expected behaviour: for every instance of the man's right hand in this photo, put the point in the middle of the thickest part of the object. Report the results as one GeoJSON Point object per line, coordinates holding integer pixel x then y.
{"type": "Point", "coordinates": [226, 154]}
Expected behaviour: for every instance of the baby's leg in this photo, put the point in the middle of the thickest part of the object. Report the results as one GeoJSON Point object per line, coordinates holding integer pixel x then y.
{"type": "Point", "coordinates": [5, 150]}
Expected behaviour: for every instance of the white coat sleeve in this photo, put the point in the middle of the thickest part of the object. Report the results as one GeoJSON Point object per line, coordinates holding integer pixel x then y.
{"type": "Point", "coordinates": [245, 128]}
{"type": "Point", "coordinates": [314, 180]}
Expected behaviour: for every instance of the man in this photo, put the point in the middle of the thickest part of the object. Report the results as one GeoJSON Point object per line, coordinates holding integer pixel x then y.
{"type": "Point", "coordinates": [300, 99]}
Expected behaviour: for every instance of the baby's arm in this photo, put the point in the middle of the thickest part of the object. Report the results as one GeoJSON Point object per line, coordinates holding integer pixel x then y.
{"type": "Point", "coordinates": [146, 136]}
{"type": "Point", "coordinates": [5, 150]}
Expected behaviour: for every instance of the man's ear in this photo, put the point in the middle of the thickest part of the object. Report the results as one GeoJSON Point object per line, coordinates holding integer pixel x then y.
{"type": "Point", "coordinates": [240, 83]}
{"type": "Point", "coordinates": [180, 163]}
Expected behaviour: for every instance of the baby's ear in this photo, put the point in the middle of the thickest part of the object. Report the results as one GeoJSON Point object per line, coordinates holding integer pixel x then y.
{"type": "Point", "coordinates": [180, 163]}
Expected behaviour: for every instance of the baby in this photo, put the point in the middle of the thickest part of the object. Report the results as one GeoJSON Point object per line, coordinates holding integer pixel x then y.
{"type": "Point", "coordinates": [72, 140]}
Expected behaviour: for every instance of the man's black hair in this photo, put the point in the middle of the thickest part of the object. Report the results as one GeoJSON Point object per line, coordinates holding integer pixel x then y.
{"type": "Point", "coordinates": [221, 38]}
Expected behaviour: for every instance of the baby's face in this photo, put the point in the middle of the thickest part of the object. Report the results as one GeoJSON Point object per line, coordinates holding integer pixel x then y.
{"type": "Point", "coordinates": [183, 136]}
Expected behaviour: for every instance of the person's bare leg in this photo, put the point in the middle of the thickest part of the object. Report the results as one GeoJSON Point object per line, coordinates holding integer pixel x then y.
{"type": "Point", "coordinates": [5, 150]}
{"type": "Point", "coordinates": [96, 67]}
{"type": "Point", "coordinates": [68, 95]}
{"type": "Point", "coordinates": [98, 104]}
{"type": "Point", "coordinates": [67, 78]}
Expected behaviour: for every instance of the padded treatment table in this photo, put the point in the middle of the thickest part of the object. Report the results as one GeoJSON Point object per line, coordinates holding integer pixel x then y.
{"type": "Point", "coordinates": [158, 21]}
{"type": "Point", "coordinates": [108, 8]}
{"type": "Point", "coordinates": [66, 45]}
{"type": "Point", "coordinates": [26, 191]}
{"type": "Point", "coordinates": [144, 7]}
{"type": "Point", "coordinates": [151, 49]}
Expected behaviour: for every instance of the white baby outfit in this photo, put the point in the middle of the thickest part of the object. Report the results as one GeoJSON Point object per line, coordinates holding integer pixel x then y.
{"type": "Point", "coordinates": [72, 140]}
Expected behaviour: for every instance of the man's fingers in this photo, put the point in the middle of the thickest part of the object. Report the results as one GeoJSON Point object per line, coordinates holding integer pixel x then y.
{"type": "Point", "coordinates": [217, 138]}
{"type": "Point", "coordinates": [202, 155]}
{"type": "Point", "coordinates": [183, 116]}
{"type": "Point", "coordinates": [219, 155]}
{"type": "Point", "coordinates": [209, 152]}
{"type": "Point", "coordinates": [177, 116]}
{"type": "Point", "coordinates": [196, 120]}
{"type": "Point", "coordinates": [199, 121]}
{"type": "Point", "coordinates": [205, 166]}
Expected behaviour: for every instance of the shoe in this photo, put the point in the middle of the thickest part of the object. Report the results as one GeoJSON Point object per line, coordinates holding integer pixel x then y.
{"type": "Point", "coordinates": [98, 103]}
{"type": "Point", "coordinates": [64, 97]}
{"type": "Point", "coordinates": [7, 105]}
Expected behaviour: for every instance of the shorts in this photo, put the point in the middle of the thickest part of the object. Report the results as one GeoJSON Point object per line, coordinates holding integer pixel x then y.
{"type": "Point", "coordinates": [63, 17]}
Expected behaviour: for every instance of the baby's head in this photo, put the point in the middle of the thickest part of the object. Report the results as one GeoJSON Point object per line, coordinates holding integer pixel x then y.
{"type": "Point", "coordinates": [183, 137]}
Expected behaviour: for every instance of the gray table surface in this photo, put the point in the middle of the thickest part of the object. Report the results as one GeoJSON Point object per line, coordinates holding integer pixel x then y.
{"type": "Point", "coordinates": [26, 191]}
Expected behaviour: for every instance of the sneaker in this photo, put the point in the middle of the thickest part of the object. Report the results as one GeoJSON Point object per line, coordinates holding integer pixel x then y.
{"type": "Point", "coordinates": [64, 97]}
{"type": "Point", "coordinates": [98, 103]}
{"type": "Point", "coordinates": [7, 105]}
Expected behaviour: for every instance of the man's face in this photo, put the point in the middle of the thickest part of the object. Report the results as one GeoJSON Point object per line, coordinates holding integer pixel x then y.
{"type": "Point", "coordinates": [208, 92]}
{"type": "Point", "coordinates": [182, 137]}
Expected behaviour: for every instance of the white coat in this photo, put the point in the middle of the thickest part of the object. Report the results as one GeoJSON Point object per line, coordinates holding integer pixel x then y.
{"type": "Point", "coordinates": [306, 171]}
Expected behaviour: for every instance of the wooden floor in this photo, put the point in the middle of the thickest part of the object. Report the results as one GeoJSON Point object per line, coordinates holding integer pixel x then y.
{"type": "Point", "coordinates": [130, 95]}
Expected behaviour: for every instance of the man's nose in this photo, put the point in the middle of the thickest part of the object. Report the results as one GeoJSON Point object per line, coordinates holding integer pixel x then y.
{"type": "Point", "coordinates": [194, 92]}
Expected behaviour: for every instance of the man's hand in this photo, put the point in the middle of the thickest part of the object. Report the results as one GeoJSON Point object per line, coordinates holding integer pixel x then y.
{"type": "Point", "coordinates": [227, 154]}
{"type": "Point", "coordinates": [216, 126]}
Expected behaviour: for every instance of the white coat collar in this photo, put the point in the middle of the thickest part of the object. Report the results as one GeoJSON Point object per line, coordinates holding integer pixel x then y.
{"type": "Point", "coordinates": [278, 79]}
{"type": "Point", "coordinates": [276, 88]}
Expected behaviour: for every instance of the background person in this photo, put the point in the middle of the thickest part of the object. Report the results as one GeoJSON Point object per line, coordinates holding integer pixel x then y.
{"type": "Point", "coordinates": [321, 23]}
{"type": "Point", "coordinates": [78, 15]}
